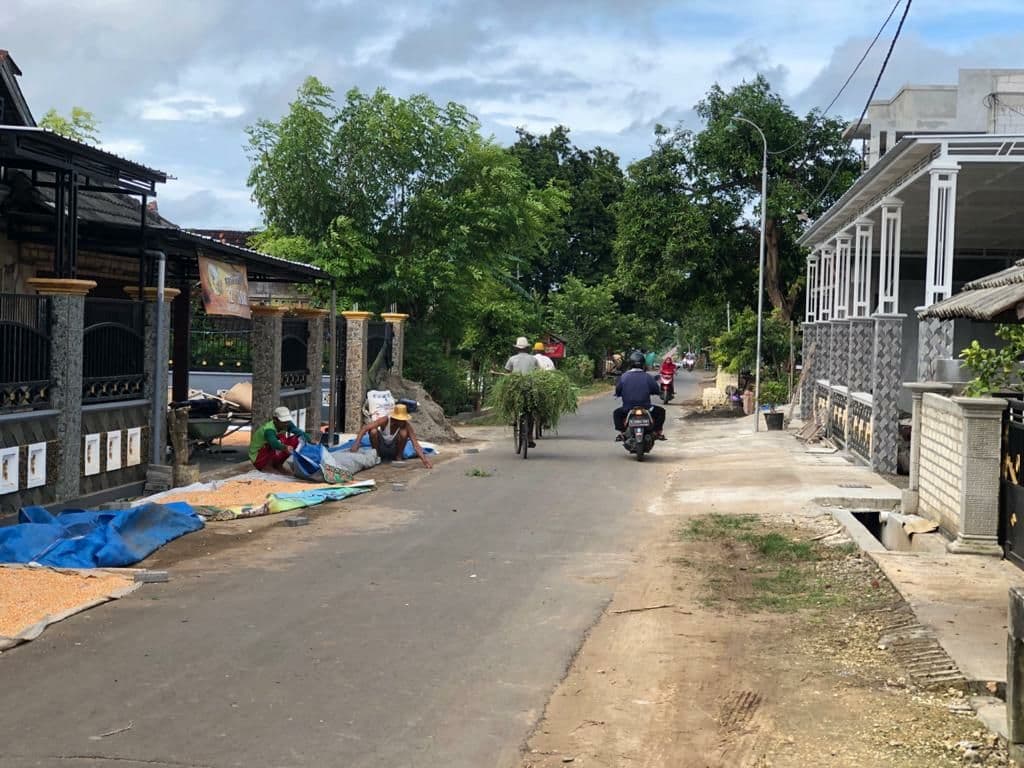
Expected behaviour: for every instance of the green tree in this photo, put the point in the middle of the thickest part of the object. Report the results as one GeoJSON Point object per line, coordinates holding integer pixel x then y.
{"type": "Point", "coordinates": [736, 349]}
{"type": "Point", "coordinates": [805, 153]}
{"type": "Point", "coordinates": [582, 243]}
{"type": "Point", "coordinates": [402, 200]}
{"type": "Point", "coordinates": [80, 125]}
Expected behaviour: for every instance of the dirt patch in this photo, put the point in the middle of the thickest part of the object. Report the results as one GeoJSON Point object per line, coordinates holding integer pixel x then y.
{"type": "Point", "coordinates": [743, 644]}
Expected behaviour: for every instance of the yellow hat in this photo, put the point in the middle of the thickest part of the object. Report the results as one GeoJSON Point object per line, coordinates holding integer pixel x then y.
{"type": "Point", "coordinates": [401, 413]}
{"type": "Point", "coordinates": [539, 346]}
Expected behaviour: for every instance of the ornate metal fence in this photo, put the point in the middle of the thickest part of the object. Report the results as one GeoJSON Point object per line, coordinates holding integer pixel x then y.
{"type": "Point", "coordinates": [24, 352]}
{"type": "Point", "coordinates": [837, 415]}
{"type": "Point", "coordinates": [221, 344]}
{"type": "Point", "coordinates": [113, 343]}
{"type": "Point", "coordinates": [859, 414]}
{"type": "Point", "coordinates": [294, 362]}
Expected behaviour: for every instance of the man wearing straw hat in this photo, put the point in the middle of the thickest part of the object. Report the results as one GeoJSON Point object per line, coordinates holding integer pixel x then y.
{"type": "Point", "coordinates": [390, 434]}
{"type": "Point", "coordinates": [522, 361]}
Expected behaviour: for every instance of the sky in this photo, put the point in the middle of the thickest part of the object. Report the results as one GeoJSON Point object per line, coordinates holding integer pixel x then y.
{"type": "Point", "coordinates": [174, 83]}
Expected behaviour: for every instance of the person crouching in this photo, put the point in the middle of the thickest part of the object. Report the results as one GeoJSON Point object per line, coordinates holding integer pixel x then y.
{"type": "Point", "coordinates": [274, 442]}
{"type": "Point", "coordinates": [390, 434]}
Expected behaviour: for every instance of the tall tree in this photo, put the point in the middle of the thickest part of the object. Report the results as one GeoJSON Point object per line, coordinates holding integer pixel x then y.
{"type": "Point", "coordinates": [806, 154]}
{"type": "Point", "coordinates": [582, 243]}
{"type": "Point", "coordinates": [401, 199]}
{"type": "Point", "coordinates": [80, 125]}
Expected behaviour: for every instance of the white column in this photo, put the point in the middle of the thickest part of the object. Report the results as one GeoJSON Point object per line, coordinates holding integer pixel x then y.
{"type": "Point", "coordinates": [811, 311]}
{"type": "Point", "coordinates": [827, 282]}
{"type": "Point", "coordinates": [889, 257]}
{"type": "Point", "coordinates": [841, 306]}
{"type": "Point", "coordinates": [941, 221]}
{"type": "Point", "coordinates": [862, 268]}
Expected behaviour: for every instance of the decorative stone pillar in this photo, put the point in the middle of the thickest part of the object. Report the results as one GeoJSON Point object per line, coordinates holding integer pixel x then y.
{"type": "Point", "coordinates": [886, 381]}
{"type": "Point", "coordinates": [810, 363]}
{"type": "Point", "coordinates": [917, 391]}
{"type": "Point", "coordinates": [315, 319]}
{"type": "Point", "coordinates": [266, 361]}
{"type": "Point", "coordinates": [356, 330]}
{"type": "Point", "coordinates": [823, 345]}
{"type": "Point", "coordinates": [979, 479]}
{"type": "Point", "coordinates": [839, 352]}
{"type": "Point", "coordinates": [67, 325]}
{"type": "Point", "coordinates": [859, 354]}
{"type": "Point", "coordinates": [397, 322]}
{"type": "Point", "coordinates": [152, 358]}
{"type": "Point", "coordinates": [934, 343]}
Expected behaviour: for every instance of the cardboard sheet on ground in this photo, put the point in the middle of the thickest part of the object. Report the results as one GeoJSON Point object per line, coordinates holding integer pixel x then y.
{"type": "Point", "coordinates": [94, 539]}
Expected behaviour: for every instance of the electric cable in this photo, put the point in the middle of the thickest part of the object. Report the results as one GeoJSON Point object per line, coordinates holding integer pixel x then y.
{"type": "Point", "coordinates": [871, 96]}
{"type": "Point", "coordinates": [853, 74]}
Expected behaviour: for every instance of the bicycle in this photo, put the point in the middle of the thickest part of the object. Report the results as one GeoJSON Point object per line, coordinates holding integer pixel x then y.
{"type": "Point", "coordinates": [522, 433]}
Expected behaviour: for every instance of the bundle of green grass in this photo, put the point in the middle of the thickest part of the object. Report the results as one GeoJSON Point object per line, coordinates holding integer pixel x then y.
{"type": "Point", "coordinates": [545, 394]}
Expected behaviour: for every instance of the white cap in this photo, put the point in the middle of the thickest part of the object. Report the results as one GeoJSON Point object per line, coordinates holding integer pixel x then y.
{"type": "Point", "coordinates": [522, 343]}
{"type": "Point", "coordinates": [283, 414]}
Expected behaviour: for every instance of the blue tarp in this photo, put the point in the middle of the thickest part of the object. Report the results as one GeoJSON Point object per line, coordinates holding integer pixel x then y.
{"type": "Point", "coordinates": [91, 539]}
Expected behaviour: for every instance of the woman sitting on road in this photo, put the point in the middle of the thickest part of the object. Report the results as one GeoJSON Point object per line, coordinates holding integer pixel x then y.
{"type": "Point", "coordinates": [389, 436]}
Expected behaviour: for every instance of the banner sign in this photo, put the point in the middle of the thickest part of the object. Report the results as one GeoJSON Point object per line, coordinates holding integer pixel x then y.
{"type": "Point", "coordinates": [225, 288]}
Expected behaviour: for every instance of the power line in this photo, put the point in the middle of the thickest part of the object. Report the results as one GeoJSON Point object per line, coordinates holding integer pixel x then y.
{"type": "Point", "coordinates": [871, 96]}
{"type": "Point", "coordinates": [853, 74]}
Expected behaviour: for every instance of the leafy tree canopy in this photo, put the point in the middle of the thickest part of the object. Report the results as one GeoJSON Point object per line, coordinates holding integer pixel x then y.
{"type": "Point", "coordinates": [80, 125]}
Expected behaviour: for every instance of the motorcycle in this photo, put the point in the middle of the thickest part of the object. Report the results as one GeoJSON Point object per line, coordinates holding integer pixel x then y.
{"type": "Point", "coordinates": [639, 437]}
{"type": "Point", "coordinates": [688, 363]}
{"type": "Point", "coordinates": [665, 384]}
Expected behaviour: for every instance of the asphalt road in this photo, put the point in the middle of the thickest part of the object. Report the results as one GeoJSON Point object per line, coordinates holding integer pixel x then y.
{"type": "Point", "coordinates": [432, 641]}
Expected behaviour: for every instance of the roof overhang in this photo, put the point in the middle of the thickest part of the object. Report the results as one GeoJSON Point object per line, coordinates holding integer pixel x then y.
{"type": "Point", "coordinates": [260, 266]}
{"type": "Point", "coordinates": [37, 149]}
{"type": "Point", "coordinates": [994, 298]}
{"type": "Point", "coordinates": [990, 184]}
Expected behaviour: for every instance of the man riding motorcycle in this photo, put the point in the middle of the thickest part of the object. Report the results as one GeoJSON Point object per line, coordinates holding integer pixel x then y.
{"type": "Point", "coordinates": [635, 387]}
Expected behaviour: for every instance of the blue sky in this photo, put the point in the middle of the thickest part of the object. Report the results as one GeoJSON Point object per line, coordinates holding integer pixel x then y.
{"type": "Point", "coordinates": [175, 82]}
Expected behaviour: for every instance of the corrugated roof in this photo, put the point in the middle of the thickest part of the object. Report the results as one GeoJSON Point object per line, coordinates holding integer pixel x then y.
{"type": "Point", "coordinates": [991, 298]}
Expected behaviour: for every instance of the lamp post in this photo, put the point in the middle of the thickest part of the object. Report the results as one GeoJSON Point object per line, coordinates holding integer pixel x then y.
{"type": "Point", "coordinates": [760, 270]}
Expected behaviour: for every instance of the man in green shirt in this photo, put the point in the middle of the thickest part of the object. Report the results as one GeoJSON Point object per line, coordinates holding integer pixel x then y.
{"type": "Point", "coordinates": [272, 443]}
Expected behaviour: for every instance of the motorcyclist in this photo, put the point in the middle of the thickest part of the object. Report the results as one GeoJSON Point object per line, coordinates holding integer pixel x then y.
{"type": "Point", "coordinates": [635, 387]}
{"type": "Point", "coordinates": [668, 369]}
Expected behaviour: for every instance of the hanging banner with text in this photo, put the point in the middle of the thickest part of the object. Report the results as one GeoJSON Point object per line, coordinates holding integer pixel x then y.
{"type": "Point", "coordinates": [225, 288]}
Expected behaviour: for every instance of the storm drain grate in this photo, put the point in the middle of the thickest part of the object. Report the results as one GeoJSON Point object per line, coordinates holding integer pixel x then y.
{"type": "Point", "coordinates": [918, 651]}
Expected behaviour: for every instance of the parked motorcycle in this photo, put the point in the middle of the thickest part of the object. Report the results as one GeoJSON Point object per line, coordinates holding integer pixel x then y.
{"type": "Point", "coordinates": [665, 384]}
{"type": "Point", "coordinates": [639, 437]}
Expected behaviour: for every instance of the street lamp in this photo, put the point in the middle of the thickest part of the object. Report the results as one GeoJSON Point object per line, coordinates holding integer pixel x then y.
{"type": "Point", "coordinates": [760, 270]}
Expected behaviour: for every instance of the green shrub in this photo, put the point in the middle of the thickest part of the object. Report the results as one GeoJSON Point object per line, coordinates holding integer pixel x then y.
{"type": "Point", "coordinates": [446, 378]}
{"type": "Point", "coordinates": [545, 394]}
{"type": "Point", "coordinates": [774, 393]}
{"type": "Point", "coordinates": [579, 369]}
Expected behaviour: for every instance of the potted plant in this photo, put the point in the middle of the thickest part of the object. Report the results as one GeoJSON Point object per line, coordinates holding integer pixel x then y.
{"type": "Point", "coordinates": [773, 393]}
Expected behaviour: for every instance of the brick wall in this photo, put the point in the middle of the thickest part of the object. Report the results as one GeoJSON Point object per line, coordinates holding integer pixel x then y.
{"type": "Point", "coordinates": [942, 450]}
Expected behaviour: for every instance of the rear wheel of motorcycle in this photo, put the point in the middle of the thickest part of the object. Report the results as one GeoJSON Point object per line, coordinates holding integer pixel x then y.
{"type": "Point", "coordinates": [640, 454]}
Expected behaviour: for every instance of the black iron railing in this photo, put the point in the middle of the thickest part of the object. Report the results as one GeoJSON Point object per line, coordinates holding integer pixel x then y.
{"type": "Point", "coordinates": [859, 414]}
{"type": "Point", "coordinates": [24, 352]}
{"type": "Point", "coordinates": [837, 416]}
{"type": "Point", "coordinates": [113, 344]}
{"type": "Point", "coordinates": [221, 344]}
{"type": "Point", "coordinates": [294, 356]}
{"type": "Point", "coordinates": [378, 344]}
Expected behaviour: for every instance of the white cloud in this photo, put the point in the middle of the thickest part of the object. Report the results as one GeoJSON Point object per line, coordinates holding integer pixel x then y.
{"type": "Point", "coordinates": [130, 148]}
{"type": "Point", "coordinates": [188, 107]}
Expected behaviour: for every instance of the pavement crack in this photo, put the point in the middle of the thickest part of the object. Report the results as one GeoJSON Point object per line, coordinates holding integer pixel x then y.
{"type": "Point", "coordinates": [129, 761]}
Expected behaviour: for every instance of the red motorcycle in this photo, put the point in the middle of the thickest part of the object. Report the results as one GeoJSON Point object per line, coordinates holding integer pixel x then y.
{"type": "Point", "coordinates": [666, 383]}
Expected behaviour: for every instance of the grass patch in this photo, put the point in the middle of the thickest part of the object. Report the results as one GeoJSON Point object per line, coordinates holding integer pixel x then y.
{"type": "Point", "coordinates": [761, 569]}
{"type": "Point", "coordinates": [599, 387]}
{"type": "Point", "coordinates": [477, 472]}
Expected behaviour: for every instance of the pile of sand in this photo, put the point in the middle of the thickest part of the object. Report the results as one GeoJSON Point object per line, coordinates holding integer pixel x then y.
{"type": "Point", "coordinates": [429, 421]}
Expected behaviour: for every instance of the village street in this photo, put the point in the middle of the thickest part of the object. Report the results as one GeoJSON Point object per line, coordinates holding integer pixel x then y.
{"type": "Point", "coordinates": [418, 628]}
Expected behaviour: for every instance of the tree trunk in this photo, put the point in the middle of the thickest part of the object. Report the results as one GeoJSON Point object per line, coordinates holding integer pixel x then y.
{"type": "Point", "coordinates": [777, 295]}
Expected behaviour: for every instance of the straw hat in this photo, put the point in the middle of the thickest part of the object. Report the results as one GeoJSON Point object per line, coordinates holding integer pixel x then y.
{"type": "Point", "coordinates": [283, 414]}
{"type": "Point", "coordinates": [401, 413]}
{"type": "Point", "coordinates": [539, 347]}
{"type": "Point", "coordinates": [522, 343]}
